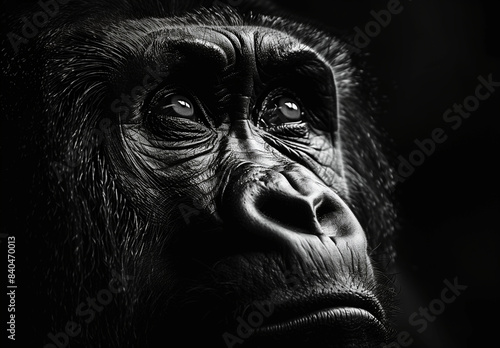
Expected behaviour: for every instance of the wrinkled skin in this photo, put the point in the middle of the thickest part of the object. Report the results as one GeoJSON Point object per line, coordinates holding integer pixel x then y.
{"type": "Point", "coordinates": [245, 176]}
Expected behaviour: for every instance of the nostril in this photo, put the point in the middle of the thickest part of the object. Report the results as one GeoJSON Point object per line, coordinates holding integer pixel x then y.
{"type": "Point", "coordinates": [327, 215]}
{"type": "Point", "coordinates": [292, 213]}
{"type": "Point", "coordinates": [324, 213]}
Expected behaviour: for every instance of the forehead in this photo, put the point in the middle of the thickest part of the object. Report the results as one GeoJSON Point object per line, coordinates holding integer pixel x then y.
{"type": "Point", "coordinates": [226, 46]}
{"type": "Point", "coordinates": [232, 39]}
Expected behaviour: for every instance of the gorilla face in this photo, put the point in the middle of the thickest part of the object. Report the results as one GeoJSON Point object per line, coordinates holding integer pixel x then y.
{"type": "Point", "coordinates": [245, 126]}
{"type": "Point", "coordinates": [239, 183]}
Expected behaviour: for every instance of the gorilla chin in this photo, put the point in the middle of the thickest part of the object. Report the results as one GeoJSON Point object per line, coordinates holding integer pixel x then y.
{"type": "Point", "coordinates": [223, 158]}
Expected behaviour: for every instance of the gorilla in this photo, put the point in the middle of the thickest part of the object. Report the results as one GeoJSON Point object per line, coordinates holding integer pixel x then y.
{"type": "Point", "coordinates": [193, 174]}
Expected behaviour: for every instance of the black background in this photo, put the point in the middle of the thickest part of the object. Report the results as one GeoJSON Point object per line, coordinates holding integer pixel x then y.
{"type": "Point", "coordinates": [428, 58]}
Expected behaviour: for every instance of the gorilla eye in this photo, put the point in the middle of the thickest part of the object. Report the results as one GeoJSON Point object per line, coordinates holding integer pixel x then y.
{"type": "Point", "coordinates": [289, 110]}
{"type": "Point", "coordinates": [177, 105]}
{"type": "Point", "coordinates": [280, 111]}
{"type": "Point", "coordinates": [173, 111]}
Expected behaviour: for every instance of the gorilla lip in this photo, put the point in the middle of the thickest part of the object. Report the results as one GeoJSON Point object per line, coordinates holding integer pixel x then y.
{"type": "Point", "coordinates": [346, 317]}
{"type": "Point", "coordinates": [345, 312]}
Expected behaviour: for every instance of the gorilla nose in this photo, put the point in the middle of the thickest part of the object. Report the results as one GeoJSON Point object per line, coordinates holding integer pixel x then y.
{"type": "Point", "coordinates": [285, 205]}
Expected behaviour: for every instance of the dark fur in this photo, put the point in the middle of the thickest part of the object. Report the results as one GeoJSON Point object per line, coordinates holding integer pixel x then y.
{"type": "Point", "coordinates": [84, 226]}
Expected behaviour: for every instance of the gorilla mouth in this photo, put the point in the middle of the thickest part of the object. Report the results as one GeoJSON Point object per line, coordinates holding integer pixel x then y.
{"type": "Point", "coordinates": [332, 321]}
{"type": "Point", "coordinates": [331, 317]}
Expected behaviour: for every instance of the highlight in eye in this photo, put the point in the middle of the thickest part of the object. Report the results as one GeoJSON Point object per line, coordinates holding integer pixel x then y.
{"type": "Point", "coordinates": [279, 110]}
{"type": "Point", "coordinates": [177, 105]}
